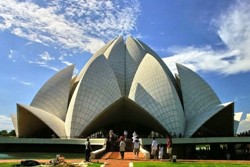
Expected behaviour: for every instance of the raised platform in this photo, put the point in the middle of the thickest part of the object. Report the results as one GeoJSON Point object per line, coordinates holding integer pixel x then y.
{"type": "Point", "coordinates": [202, 140]}
{"type": "Point", "coordinates": [144, 141]}
{"type": "Point", "coordinates": [184, 147]}
{"type": "Point", "coordinates": [10, 140]}
{"type": "Point", "coordinates": [8, 144]}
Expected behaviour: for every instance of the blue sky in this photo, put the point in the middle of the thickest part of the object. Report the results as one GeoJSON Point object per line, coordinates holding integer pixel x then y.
{"type": "Point", "coordinates": [40, 37]}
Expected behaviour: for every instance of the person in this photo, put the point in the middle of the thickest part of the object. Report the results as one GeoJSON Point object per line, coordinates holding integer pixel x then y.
{"type": "Point", "coordinates": [88, 150]}
{"type": "Point", "coordinates": [60, 159]}
{"type": "Point", "coordinates": [136, 148]}
{"type": "Point", "coordinates": [122, 146]}
{"type": "Point", "coordinates": [55, 161]}
{"type": "Point", "coordinates": [160, 152]}
{"type": "Point", "coordinates": [154, 148]}
{"type": "Point", "coordinates": [125, 134]}
{"type": "Point", "coordinates": [169, 147]}
{"type": "Point", "coordinates": [134, 136]}
{"type": "Point", "coordinates": [111, 135]}
{"type": "Point", "coordinates": [112, 140]}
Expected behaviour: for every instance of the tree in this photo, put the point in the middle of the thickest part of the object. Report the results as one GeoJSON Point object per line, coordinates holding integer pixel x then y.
{"type": "Point", "coordinates": [12, 133]}
{"type": "Point", "coordinates": [3, 133]}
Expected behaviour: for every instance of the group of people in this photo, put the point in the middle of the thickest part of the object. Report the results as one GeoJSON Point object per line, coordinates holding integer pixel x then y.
{"type": "Point", "coordinates": [136, 144]}
{"type": "Point", "coordinates": [158, 148]}
{"type": "Point", "coordinates": [122, 144]}
{"type": "Point", "coordinates": [135, 141]}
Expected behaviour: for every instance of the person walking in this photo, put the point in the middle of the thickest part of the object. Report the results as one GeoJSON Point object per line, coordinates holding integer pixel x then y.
{"type": "Point", "coordinates": [169, 146]}
{"type": "Point", "coordinates": [125, 134]}
{"type": "Point", "coordinates": [154, 148]}
{"type": "Point", "coordinates": [134, 136]}
{"type": "Point", "coordinates": [112, 140]}
{"type": "Point", "coordinates": [88, 150]}
{"type": "Point", "coordinates": [122, 146]}
{"type": "Point", "coordinates": [160, 154]}
{"type": "Point", "coordinates": [136, 148]}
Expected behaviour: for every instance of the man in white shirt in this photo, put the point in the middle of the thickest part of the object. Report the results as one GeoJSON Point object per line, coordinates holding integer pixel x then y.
{"type": "Point", "coordinates": [154, 148]}
{"type": "Point", "coordinates": [136, 144]}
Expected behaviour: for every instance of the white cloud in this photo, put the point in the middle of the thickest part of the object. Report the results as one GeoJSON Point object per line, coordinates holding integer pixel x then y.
{"type": "Point", "coordinates": [67, 63]}
{"type": "Point", "coordinates": [71, 24]}
{"type": "Point", "coordinates": [44, 60]}
{"type": "Point", "coordinates": [6, 123]}
{"type": "Point", "coordinates": [244, 125]}
{"type": "Point", "coordinates": [201, 59]}
{"type": "Point", "coordinates": [21, 81]}
{"type": "Point", "coordinates": [11, 56]}
{"type": "Point", "coordinates": [237, 116]}
{"type": "Point", "coordinates": [234, 31]}
{"type": "Point", "coordinates": [240, 98]}
{"type": "Point", "coordinates": [46, 57]}
{"type": "Point", "coordinates": [26, 83]}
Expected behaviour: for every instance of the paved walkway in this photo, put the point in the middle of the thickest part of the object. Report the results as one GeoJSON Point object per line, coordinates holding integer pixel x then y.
{"type": "Point", "coordinates": [113, 159]}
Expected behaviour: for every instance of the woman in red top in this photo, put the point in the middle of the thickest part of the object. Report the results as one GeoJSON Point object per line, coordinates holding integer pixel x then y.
{"type": "Point", "coordinates": [169, 146]}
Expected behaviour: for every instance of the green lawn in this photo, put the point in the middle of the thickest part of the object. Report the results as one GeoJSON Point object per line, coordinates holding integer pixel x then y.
{"type": "Point", "coordinates": [39, 155]}
{"type": "Point", "coordinates": [187, 164]}
{"type": "Point", "coordinates": [7, 164]}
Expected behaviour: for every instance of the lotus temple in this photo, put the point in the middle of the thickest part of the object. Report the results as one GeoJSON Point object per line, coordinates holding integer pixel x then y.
{"type": "Point", "coordinates": [125, 85]}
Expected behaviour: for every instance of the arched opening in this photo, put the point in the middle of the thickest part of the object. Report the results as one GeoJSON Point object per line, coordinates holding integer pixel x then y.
{"type": "Point", "coordinates": [121, 115]}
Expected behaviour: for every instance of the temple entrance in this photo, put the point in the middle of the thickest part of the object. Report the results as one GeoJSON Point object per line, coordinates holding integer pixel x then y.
{"type": "Point", "coordinates": [124, 114]}
{"type": "Point", "coordinates": [131, 127]}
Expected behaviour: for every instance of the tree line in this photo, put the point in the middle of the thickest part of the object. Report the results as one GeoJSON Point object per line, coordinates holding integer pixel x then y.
{"type": "Point", "coordinates": [6, 133]}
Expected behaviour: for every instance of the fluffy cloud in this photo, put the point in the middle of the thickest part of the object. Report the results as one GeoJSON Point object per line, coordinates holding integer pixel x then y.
{"type": "Point", "coordinates": [244, 125]}
{"type": "Point", "coordinates": [6, 123]}
{"type": "Point", "coordinates": [234, 31]}
{"type": "Point", "coordinates": [71, 24]}
{"type": "Point", "coordinates": [201, 59]}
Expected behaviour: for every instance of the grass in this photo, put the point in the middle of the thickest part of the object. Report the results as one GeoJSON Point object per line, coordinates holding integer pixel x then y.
{"type": "Point", "coordinates": [152, 164]}
{"type": "Point", "coordinates": [7, 164]}
{"type": "Point", "coordinates": [39, 155]}
{"type": "Point", "coordinates": [94, 164]}
{"type": "Point", "coordinates": [187, 164]}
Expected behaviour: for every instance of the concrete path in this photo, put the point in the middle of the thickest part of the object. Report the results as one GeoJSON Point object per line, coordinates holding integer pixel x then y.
{"type": "Point", "coordinates": [113, 159]}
